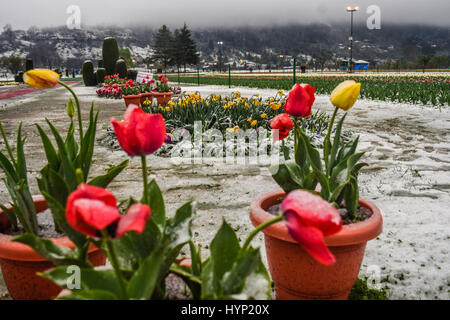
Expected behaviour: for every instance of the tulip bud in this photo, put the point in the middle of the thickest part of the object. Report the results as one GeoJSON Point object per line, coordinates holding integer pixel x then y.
{"type": "Point", "coordinates": [70, 109]}
{"type": "Point", "coordinates": [41, 78]}
{"type": "Point", "coordinates": [345, 94]}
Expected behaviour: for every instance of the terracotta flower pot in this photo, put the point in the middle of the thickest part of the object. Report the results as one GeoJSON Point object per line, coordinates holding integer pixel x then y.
{"type": "Point", "coordinates": [19, 264]}
{"type": "Point", "coordinates": [132, 99]}
{"type": "Point", "coordinates": [146, 96]}
{"type": "Point", "coordinates": [163, 97]}
{"type": "Point", "coordinates": [296, 275]}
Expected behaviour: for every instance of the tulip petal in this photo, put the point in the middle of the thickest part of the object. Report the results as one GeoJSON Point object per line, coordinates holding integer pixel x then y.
{"type": "Point", "coordinates": [310, 238]}
{"type": "Point", "coordinates": [300, 100]}
{"type": "Point", "coordinates": [88, 192]}
{"type": "Point", "coordinates": [151, 132]}
{"type": "Point", "coordinates": [313, 211]}
{"type": "Point", "coordinates": [121, 135]}
{"type": "Point", "coordinates": [92, 215]}
{"type": "Point", "coordinates": [344, 96]}
{"type": "Point", "coordinates": [283, 123]}
{"type": "Point", "coordinates": [41, 78]}
{"type": "Point", "coordinates": [135, 220]}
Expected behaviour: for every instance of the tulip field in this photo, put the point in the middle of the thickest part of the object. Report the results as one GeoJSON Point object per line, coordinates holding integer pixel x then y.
{"type": "Point", "coordinates": [414, 89]}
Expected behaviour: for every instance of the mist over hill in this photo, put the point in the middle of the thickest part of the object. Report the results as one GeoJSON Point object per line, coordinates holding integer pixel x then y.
{"type": "Point", "coordinates": [60, 46]}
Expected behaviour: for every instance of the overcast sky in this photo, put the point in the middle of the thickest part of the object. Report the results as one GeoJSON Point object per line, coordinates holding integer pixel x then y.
{"type": "Point", "coordinates": [214, 13]}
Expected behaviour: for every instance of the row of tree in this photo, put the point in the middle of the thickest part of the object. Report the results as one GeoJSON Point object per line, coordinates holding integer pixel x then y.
{"type": "Point", "coordinates": [174, 49]}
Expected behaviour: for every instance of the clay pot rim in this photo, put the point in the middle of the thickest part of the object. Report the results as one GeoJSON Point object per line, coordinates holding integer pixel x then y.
{"type": "Point", "coordinates": [354, 233]}
{"type": "Point", "coordinates": [16, 251]}
{"type": "Point", "coordinates": [162, 93]}
{"type": "Point", "coordinates": [132, 96]}
{"type": "Point", "coordinates": [146, 94]}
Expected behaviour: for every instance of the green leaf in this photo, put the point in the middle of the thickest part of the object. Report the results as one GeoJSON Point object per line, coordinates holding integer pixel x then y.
{"type": "Point", "coordinates": [336, 143]}
{"type": "Point", "coordinates": [50, 151]}
{"type": "Point", "coordinates": [104, 180]}
{"type": "Point", "coordinates": [146, 242]}
{"type": "Point", "coordinates": [210, 285]}
{"type": "Point", "coordinates": [10, 214]}
{"type": "Point", "coordinates": [8, 168]}
{"type": "Point", "coordinates": [54, 184]}
{"type": "Point", "coordinates": [68, 167]}
{"type": "Point", "coordinates": [144, 280]}
{"type": "Point", "coordinates": [234, 280]}
{"type": "Point", "coordinates": [287, 176]}
{"type": "Point", "coordinates": [21, 163]}
{"type": "Point", "coordinates": [59, 215]}
{"type": "Point", "coordinates": [157, 203]}
{"type": "Point", "coordinates": [90, 279]}
{"type": "Point", "coordinates": [89, 295]}
{"type": "Point", "coordinates": [224, 250]}
{"type": "Point", "coordinates": [58, 255]}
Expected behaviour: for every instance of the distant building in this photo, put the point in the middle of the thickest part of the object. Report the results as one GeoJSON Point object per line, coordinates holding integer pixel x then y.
{"type": "Point", "coordinates": [357, 65]}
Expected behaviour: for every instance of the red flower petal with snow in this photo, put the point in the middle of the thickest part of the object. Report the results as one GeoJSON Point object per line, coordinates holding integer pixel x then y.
{"type": "Point", "coordinates": [310, 218]}
{"type": "Point", "coordinates": [283, 123]}
{"type": "Point", "coordinates": [90, 209]}
{"type": "Point", "coordinates": [300, 100]}
{"type": "Point", "coordinates": [135, 220]}
{"type": "Point", "coordinates": [140, 133]}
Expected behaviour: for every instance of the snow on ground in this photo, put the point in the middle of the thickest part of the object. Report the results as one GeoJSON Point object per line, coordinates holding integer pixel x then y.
{"type": "Point", "coordinates": [408, 178]}
{"type": "Point", "coordinates": [407, 147]}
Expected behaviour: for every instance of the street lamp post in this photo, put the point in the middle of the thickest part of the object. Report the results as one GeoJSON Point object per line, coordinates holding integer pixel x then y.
{"type": "Point", "coordinates": [351, 10]}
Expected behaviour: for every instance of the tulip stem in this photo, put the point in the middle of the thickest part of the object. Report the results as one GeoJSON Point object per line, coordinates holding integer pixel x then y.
{"type": "Point", "coordinates": [114, 262]}
{"type": "Point", "coordinates": [258, 229]}
{"type": "Point", "coordinates": [145, 178]}
{"type": "Point", "coordinates": [77, 102]}
{"type": "Point", "coordinates": [327, 144]}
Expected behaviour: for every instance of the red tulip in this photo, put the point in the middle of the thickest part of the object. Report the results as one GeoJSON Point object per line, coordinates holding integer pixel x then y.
{"type": "Point", "coordinates": [140, 133]}
{"type": "Point", "coordinates": [300, 100]}
{"type": "Point", "coordinates": [309, 218]}
{"type": "Point", "coordinates": [283, 124]}
{"type": "Point", "coordinates": [90, 209]}
{"type": "Point", "coordinates": [134, 220]}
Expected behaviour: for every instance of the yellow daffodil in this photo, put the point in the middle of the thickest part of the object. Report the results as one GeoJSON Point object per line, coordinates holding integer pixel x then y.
{"type": "Point", "coordinates": [168, 109]}
{"type": "Point", "coordinates": [254, 123]}
{"type": "Point", "coordinates": [275, 106]}
{"type": "Point", "coordinates": [263, 115]}
{"type": "Point", "coordinates": [230, 130]}
{"type": "Point", "coordinates": [345, 94]}
{"type": "Point", "coordinates": [236, 128]}
{"type": "Point", "coordinates": [246, 106]}
{"type": "Point", "coordinates": [250, 119]}
{"type": "Point", "coordinates": [280, 92]}
{"type": "Point", "coordinates": [41, 78]}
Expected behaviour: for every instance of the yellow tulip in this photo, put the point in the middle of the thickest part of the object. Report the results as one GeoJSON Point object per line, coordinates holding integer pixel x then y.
{"type": "Point", "coordinates": [345, 94]}
{"type": "Point", "coordinates": [41, 78]}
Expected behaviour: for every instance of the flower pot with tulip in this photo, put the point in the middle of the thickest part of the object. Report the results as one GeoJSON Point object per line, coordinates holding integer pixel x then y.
{"type": "Point", "coordinates": [131, 93]}
{"type": "Point", "coordinates": [316, 247]}
{"type": "Point", "coordinates": [68, 165]}
{"type": "Point", "coordinates": [162, 92]}
{"type": "Point", "coordinates": [147, 91]}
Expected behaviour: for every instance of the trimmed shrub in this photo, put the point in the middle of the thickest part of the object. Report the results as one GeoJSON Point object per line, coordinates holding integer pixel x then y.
{"type": "Point", "coordinates": [88, 74]}
{"type": "Point", "coordinates": [121, 68]}
{"type": "Point", "coordinates": [132, 74]}
{"type": "Point", "coordinates": [110, 55]}
{"type": "Point", "coordinates": [29, 64]}
{"type": "Point", "coordinates": [100, 63]}
{"type": "Point", "coordinates": [100, 75]}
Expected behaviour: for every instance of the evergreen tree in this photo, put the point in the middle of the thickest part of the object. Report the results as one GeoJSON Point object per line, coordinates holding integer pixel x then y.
{"type": "Point", "coordinates": [163, 46]}
{"type": "Point", "coordinates": [185, 47]}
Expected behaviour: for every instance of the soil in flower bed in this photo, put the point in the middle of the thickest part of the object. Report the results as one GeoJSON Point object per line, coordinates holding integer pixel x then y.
{"type": "Point", "coordinates": [45, 223]}
{"type": "Point", "coordinates": [361, 214]}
